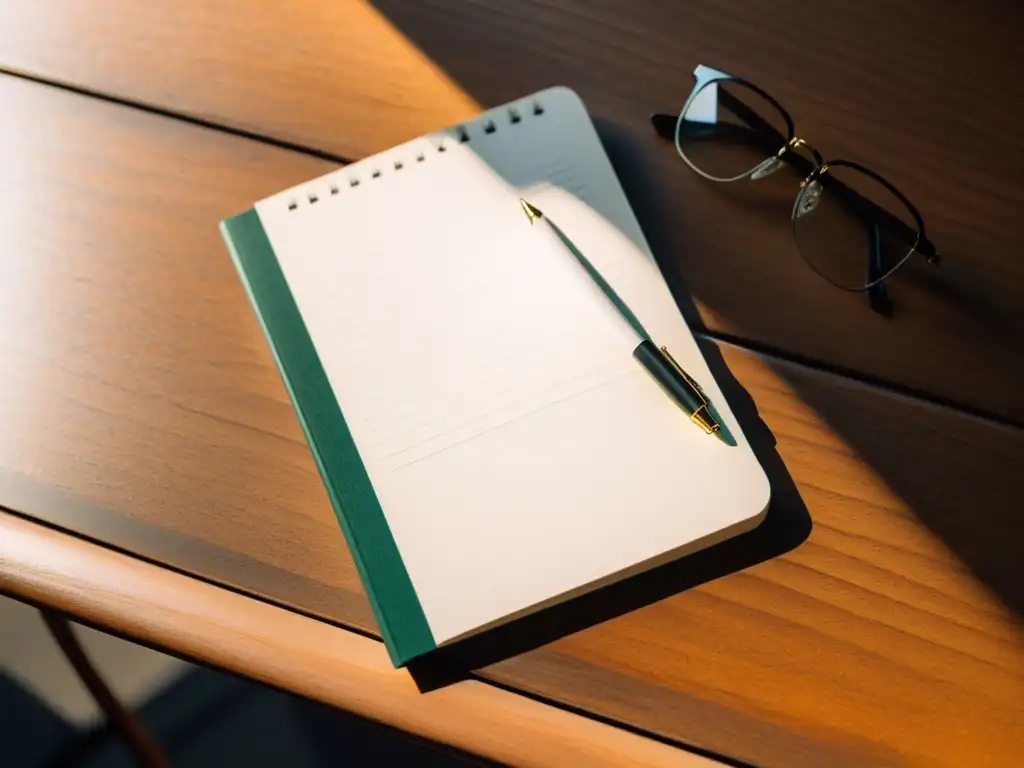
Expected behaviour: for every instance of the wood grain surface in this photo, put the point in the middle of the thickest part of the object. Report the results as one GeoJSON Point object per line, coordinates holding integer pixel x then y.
{"type": "Point", "coordinates": [215, 61]}
{"type": "Point", "coordinates": [283, 649]}
{"type": "Point", "coordinates": [929, 97]}
{"type": "Point", "coordinates": [874, 617]}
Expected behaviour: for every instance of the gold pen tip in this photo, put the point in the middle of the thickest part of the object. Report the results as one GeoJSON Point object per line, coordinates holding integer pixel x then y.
{"type": "Point", "coordinates": [532, 213]}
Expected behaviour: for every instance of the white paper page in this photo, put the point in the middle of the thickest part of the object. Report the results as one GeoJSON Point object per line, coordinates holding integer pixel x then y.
{"type": "Point", "coordinates": [449, 315]}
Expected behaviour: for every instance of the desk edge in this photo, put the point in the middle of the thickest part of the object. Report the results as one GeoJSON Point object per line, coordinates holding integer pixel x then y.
{"type": "Point", "coordinates": [214, 626]}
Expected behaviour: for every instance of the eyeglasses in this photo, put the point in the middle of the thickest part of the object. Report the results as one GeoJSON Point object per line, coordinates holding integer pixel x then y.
{"type": "Point", "coordinates": [850, 225]}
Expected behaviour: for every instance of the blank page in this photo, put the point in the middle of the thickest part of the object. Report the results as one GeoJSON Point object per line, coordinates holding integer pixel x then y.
{"type": "Point", "coordinates": [450, 315]}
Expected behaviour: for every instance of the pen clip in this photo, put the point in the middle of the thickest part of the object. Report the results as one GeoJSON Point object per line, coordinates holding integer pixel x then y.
{"type": "Point", "coordinates": [689, 379]}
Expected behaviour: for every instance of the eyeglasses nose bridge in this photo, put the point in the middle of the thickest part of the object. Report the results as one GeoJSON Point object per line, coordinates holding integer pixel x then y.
{"type": "Point", "coordinates": [798, 143]}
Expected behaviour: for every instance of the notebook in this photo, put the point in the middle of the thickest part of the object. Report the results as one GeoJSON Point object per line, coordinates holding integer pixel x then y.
{"type": "Point", "coordinates": [488, 442]}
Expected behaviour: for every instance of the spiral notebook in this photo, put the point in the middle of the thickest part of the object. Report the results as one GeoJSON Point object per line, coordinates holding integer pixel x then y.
{"type": "Point", "coordinates": [488, 442]}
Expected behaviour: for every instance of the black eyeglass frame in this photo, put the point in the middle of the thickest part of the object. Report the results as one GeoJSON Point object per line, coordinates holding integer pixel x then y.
{"type": "Point", "coordinates": [784, 148]}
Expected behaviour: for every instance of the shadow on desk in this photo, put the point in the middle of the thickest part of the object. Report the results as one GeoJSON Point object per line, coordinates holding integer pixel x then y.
{"type": "Point", "coordinates": [210, 718]}
{"type": "Point", "coordinates": [786, 525]}
{"type": "Point", "coordinates": [956, 336]}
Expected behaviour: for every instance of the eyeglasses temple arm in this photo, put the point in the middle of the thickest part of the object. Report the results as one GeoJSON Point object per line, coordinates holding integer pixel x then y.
{"type": "Point", "coordinates": [878, 297]}
{"type": "Point", "coordinates": [665, 125]}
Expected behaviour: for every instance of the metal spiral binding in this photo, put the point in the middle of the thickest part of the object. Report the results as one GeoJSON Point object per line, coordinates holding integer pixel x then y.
{"type": "Point", "coordinates": [462, 134]}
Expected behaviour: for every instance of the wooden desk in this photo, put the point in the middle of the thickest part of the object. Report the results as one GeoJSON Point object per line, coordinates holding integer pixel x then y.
{"type": "Point", "coordinates": [875, 617]}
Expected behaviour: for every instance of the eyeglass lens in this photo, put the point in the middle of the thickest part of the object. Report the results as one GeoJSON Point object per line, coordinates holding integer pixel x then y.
{"type": "Point", "coordinates": [851, 228]}
{"type": "Point", "coordinates": [728, 129]}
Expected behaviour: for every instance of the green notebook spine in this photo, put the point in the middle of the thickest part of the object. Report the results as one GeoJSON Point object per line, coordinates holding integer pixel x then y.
{"type": "Point", "coordinates": [399, 614]}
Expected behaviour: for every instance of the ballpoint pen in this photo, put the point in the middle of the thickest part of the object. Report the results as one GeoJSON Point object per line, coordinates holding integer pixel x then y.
{"type": "Point", "coordinates": [658, 361]}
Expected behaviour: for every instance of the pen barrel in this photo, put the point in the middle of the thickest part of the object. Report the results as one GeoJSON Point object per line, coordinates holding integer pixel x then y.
{"type": "Point", "coordinates": [677, 387]}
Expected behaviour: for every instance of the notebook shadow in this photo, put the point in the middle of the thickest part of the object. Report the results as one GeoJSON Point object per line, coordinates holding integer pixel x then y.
{"type": "Point", "coordinates": [786, 525]}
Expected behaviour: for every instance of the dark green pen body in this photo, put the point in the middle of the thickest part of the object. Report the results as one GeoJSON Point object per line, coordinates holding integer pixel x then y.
{"type": "Point", "coordinates": [665, 374]}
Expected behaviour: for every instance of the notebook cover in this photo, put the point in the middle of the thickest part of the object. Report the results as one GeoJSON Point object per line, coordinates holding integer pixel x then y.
{"type": "Point", "coordinates": [395, 605]}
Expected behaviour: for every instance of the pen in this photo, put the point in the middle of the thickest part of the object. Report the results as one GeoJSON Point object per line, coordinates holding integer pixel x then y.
{"type": "Point", "coordinates": [680, 386]}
